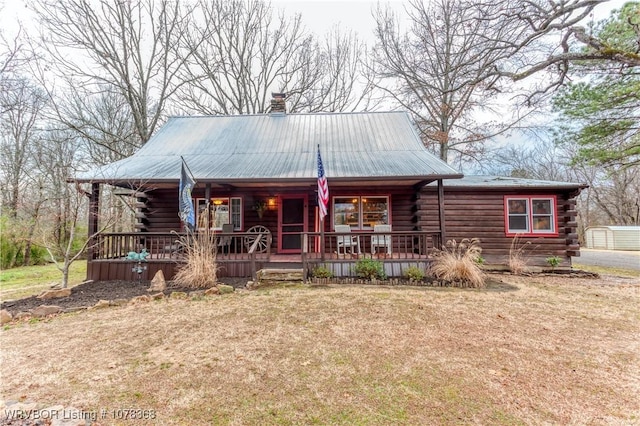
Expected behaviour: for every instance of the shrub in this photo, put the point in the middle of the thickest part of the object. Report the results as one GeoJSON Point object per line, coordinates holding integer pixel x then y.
{"type": "Point", "coordinates": [200, 269]}
{"type": "Point", "coordinates": [13, 245]}
{"type": "Point", "coordinates": [321, 272]}
{"type": "Point", "coordinates": [553, 261]}
{"type": "Point", "coordinates": [414, 273]}
{"type": "Point", "coordinates": [370, 269]}
{"type": "Point", "coordinates": [458, 264]}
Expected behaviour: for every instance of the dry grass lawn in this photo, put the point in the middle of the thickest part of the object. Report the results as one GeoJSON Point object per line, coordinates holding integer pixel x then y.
{"type": "Point", "coordinates": [533, 350]}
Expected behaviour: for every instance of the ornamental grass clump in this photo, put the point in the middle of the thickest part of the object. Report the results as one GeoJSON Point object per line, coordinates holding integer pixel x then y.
{"type": "Point", "coordinates": [518, 260]}
{"type": "Point", "coordinates": [457, 264]}
{"type": "Point", "coordinates": [200, 269]}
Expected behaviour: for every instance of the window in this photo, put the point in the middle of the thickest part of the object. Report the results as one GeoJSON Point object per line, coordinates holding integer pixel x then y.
{"type": "Point", "coordinates": [221, 211]}
{"type": "Point", "coordinates": [530, 215]}
{"type": "Point", "coordinates": [361, 212]}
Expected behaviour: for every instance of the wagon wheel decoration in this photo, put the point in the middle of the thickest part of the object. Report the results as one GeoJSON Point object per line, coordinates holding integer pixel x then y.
{"type": "Point", "coordinates": [261, 232]}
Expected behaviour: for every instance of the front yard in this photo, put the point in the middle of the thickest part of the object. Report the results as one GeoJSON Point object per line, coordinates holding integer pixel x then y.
{"type": "Point", "coordinates": [26, 281]}
{"type": "Point", "coordinates": [530, 350]}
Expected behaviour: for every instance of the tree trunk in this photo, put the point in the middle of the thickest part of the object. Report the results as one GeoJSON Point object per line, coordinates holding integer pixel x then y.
{"type": "Point", "coordinates": [27, 253]}
{"type": "Point", "coordinates": [65, 274]}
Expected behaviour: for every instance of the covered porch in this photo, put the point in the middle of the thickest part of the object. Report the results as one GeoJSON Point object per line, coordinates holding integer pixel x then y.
{"type": "Point", "coordinates": [242, 254]}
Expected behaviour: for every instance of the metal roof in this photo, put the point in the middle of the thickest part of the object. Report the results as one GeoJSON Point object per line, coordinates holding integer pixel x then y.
{"type": "Point", "coordinates": [281, 147]}
{"type": "Point", "coordinates": [502, 182]}
{"type": "Point", "coordinates": [617, 227]}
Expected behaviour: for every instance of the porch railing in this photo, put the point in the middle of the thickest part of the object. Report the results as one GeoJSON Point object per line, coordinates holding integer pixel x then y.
{"type": "Point", "coordinates": [234, 246]}
{"type": "Point", "coordinates": [397, 250]}
{"type": "Point", "coordinates": [237, 245]}
{"type": "Point", "coordinates": [401, 245]}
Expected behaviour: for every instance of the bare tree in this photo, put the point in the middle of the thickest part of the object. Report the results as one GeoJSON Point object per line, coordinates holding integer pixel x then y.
{"type": "Point", "coordinates": [441, 70]}
{"type": "Point", "coordinates": [8, 54]}
{"type": "Point", "coordinates": [617, 197]}
{"type": "Point", "coordinates": [102, 122]}
{"type": "Point", "coordinates": [65, 205]}
{"type": "Point", "coordinates": [18, 133]}
{"type": "Point", "coordinates": [550, 36]}
{"type": "Point", "coordinates": [612, 194]}
{"type": "Point", "coordinates": [8, 59]}
{"type": "Point", "coordinates": [13, 57]}
{"type": "Point", "coordinates": [539, 160]}
{"type": "Point", "coordinates": [63, 252]}
{"type": "Point", "coordinates": [57, 160]}
{"type": "Point", "coordinates": [336, 78]}
{"type": "Point", "coordinates": [124, 47]}
{"type": "Point", "coordinates": [241, 52]}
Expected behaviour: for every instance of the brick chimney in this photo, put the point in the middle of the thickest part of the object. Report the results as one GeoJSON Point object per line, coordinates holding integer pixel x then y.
{"type": "Point", "coordinates": [278, 105]}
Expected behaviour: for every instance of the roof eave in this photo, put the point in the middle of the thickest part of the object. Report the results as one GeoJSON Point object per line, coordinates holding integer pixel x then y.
{"type": "Point", "coordinates": [287, 181]}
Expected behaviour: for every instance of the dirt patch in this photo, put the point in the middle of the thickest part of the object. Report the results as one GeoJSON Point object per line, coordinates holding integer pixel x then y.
{"type": "Point", "coordinates": [88, 294]}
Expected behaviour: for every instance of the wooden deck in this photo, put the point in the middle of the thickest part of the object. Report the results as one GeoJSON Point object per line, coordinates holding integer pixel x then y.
{"type": "Point", "coordinates": [108, 259]}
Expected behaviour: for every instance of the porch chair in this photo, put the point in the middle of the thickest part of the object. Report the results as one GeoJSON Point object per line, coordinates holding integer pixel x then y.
{"type": "Point", "coordinates": [346, 241]}
{"type": "Point", "coordinates": [381, 240]}
{"type": "Point", "coordinates": [225, 240]}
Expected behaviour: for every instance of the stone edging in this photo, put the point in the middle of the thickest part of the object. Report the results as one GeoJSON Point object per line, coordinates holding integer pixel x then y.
{"type": "Point", "coordinates": [45, 311]}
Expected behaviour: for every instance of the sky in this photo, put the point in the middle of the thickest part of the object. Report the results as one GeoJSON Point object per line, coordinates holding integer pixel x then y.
{"type": "Point", "coordinates": [318, 15]}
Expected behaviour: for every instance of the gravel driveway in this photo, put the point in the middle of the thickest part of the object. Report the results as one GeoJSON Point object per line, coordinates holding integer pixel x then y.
{"type": "Point", "coordinates": [612, 258]}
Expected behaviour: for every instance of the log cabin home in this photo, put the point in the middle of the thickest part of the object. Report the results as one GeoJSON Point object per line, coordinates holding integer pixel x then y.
{"type": "Point", "coordinates": [256, 189]}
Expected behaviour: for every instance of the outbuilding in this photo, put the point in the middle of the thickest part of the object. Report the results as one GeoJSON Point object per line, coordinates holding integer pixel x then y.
{"type": "Point", "coordinates": [613, 237]}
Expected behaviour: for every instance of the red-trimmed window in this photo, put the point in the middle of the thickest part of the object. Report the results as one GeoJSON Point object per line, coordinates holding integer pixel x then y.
{"type": "Point", "coordinates": [361, 212]}
{"type": "Point", "coordinates": [530, 215]}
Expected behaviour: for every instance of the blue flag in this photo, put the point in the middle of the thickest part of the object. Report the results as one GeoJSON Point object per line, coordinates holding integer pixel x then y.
{"type": "Point", "coordinates": [186, 212]}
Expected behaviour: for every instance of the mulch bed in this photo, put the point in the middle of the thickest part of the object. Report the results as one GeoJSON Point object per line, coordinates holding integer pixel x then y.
{"type": "Point", "coordinates": [89, 293]}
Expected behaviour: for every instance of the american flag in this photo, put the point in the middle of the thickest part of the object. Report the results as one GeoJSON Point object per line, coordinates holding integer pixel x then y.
{"type": "Point", "coordinates": [323, 188]}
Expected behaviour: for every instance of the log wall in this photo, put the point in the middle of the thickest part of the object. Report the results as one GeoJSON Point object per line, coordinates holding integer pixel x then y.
{"type": "Point", "coordinates": [469, 213]}
{"type": "Point", "coordinates": [158, 209]}
{"type": "Point", "coordinates": [473, 213]}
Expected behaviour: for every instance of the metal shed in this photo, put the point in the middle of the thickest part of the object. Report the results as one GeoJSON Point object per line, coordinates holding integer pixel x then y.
{"type": "Point", "coordinates": [613, 237]}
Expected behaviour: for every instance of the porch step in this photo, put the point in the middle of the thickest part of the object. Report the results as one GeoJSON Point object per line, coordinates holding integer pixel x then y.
{"type": "Point", "coordinates": [279, 274]}
{"type": "Point", "coordinates": [281, 265]}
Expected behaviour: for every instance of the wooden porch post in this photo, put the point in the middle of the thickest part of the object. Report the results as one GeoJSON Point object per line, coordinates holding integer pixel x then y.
{"type": "Point", "coordinates": [443, 235]}
{"type": "Point", "coordinates": [207, 196]}
{"type": "Point", "coordinates": [322, 254]}
{"type": "Point", "coordinates": [94, 212]}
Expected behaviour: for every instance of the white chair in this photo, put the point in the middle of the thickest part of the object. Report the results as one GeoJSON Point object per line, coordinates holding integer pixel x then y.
{"type": "Point", "coordinates": [225, 240]}
{"type": "Point", "coordinates": [346, 241]}
{"type": "Point", "coordinates": [381, 240]}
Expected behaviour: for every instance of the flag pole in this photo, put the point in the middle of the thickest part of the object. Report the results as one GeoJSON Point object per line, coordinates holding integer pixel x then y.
{"type": "Point", "coordinates": [195, 182]}
{"type": "Point", "coordinates": [322, 245]}
{"type": "Point", "coordinates": [322, 255]}
{"type": "Point", "coordinates": [186, 210]}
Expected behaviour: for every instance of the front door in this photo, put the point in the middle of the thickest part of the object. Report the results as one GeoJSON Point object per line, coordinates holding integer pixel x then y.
{"type": "Point", "coordinates": [292, 220]}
